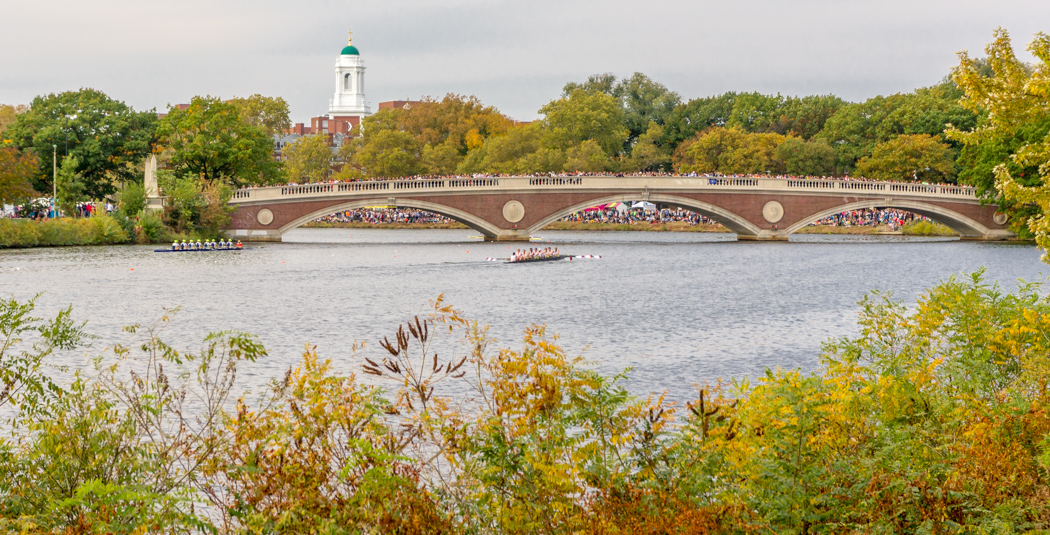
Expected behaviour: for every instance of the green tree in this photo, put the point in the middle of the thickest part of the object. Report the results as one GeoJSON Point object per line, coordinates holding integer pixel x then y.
{"type": "Point", "coordinates": [805, 117]}
{"type": "Point", "coordinates": [195, 206]}
{"type": "Point", "coordinates": [1015, 98]}
{"type": "Point", "coordinates": [385, 153]}
{"type": "Point", "coordinates": [587, 157]}
{"type": "Point", "coordinates": [268, 113]}
{"type": "Point", "coordinates": [16, 176]}
{"type": "Point", "coordinates": [650, 152]}
{"type": "Point", "coordinates": [307, 159]}
{"type": "Point", "coordinates": [730, 151]}
{"type": "Point", "coordinates": [806, 158]}
{"type": "Point", "coordinates": [754, 112]}
{"type": "Point", "coordinates": [909, 157]}
{"type": "Point", "coordinates": [104, 135]}
{"type": "Point", "coordinates": [581, 116]}
{"type": "Point", "coordinates": [509, 153]}
{"type": "Point", "coordinates": [71, 187]}
{"type": "Point", "coordinates": [854, 129]}
{"type": "Point", "coordinates": [210, 140]}
{"type": "Point", "coordinates": [642, 100]}
{"type": "Point", "coordinates": [442, 159]}
{"type": "Point", "coordinates": [697, 115]}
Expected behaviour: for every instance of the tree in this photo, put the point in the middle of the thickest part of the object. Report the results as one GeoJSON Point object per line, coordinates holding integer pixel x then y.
{"type": "Point", "coordinates": [16, 176]}
{"type": "Point", "coordinates": [806, 158]}
{"type": "Point", "coordinates": [210, 140]}
{"type": "Point", "coordinates": [103, 134]}
{"type": "Point", "coordinates": [307, 159]}
{"type": "Point", "coordinates": [1015, 98]}
{"type": "Point", "coordinates": [386, 153]}
{"type": "Point", "coordinates": [650, 153]}
{"type": "Point", "coordinates": [730, 151]}
{"type": "Point", "coordinates": [805, 117]}
{"type": "Point", "coordinates": [688, 120]}
{"type": "Point", "coordinates": [508, 153]}
{"type": "Point", "coordinates": [854, 129]}
{"type": "Point", "coordinates": [268, 113]}
{"type": "Point", "coordinates": [754, 112]}
{"type": "Point", "coordinates": [581, 116]}
{"type": "Point", "coordinates": [8, 113]}
{"type": "Point", "coordinates": [71, 187]}
{"type": "Point", "coordinates": [642, 100]}
{"type": "Point", "coordinates": [909, 157]}
{"type": "Point", "coordinates": [443, 130]}
{"type": "Point", "coordinates": [587, 157]}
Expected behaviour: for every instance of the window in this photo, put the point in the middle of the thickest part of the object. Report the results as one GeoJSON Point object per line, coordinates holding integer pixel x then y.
{"type": "Point", "coordinates": [346, 82]}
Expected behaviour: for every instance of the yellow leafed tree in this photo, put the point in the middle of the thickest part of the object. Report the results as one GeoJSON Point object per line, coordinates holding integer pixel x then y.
{"type": "Point", "coordinates": [1016, 95]}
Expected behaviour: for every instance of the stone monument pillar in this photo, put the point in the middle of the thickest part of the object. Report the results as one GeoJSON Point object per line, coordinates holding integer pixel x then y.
{"type": "Point", "coordinates": [153, 199]}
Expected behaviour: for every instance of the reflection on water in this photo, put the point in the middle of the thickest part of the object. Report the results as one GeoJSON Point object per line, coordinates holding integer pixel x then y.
{"type": "Point", "coordinates": [680, 308]}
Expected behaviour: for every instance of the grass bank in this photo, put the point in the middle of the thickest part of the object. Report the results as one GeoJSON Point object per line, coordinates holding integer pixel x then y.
{"type": "Point", "coordinates": [927, 228]}
{"type": "Point", "coordinates": [100, 230]}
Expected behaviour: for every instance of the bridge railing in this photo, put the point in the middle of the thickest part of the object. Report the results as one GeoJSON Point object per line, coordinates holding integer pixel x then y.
{"type": "Point", "coordinates": [601, 182]}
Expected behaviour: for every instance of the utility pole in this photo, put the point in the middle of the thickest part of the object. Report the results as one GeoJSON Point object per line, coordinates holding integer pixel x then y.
{"type": "Point", "coordinates": [54, 180]}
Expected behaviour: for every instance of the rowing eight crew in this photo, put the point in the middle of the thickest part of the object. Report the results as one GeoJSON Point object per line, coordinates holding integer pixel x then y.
{"type": "Point", "coordinates": [208, 245]}
{"type": "Point", "coordinates": [534, 254]}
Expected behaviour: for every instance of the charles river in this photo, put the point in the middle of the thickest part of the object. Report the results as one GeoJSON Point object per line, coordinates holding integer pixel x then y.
{"type": "Point", "coordinates": [679, 308]}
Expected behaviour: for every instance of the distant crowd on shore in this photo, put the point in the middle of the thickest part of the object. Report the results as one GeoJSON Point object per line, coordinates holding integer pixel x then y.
{"type": "Point", "coordinates": [383, 216]}
{"type": "Point", "coordinates": [870, 217]}
{"type": "Point", "coordinates": [39, 212]}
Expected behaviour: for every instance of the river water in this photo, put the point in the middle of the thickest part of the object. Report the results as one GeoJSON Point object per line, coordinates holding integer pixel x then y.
{"type": "Point", "coordinates": [679, 308]}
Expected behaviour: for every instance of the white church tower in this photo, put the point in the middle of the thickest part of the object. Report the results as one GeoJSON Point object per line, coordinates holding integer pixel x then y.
{"type": "Point", "coordinates": [348, 104]}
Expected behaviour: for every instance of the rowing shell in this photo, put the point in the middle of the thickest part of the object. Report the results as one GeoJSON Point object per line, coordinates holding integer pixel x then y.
{"type": "Point", "coordinates": [197, 250]}
{"type": "Point", "coordinates": [544, 259]}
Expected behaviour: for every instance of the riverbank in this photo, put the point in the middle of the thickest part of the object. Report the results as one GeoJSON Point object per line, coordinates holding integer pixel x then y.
{"type": "Point", "coordinates": [918, 228]}
{"type": "Point", "coordinates": [23, 233]}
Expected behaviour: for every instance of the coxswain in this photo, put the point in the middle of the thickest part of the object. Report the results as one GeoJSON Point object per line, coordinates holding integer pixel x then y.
{"type": "Point", "coordinates": [239, 246]}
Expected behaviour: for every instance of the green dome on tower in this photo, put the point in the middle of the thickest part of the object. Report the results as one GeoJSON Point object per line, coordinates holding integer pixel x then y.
{"type": "Point", "coordinates": [350, 50]}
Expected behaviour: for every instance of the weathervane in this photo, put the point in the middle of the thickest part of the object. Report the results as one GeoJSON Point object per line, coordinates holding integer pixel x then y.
{"type": "Point", "coordinates": [350, 38]}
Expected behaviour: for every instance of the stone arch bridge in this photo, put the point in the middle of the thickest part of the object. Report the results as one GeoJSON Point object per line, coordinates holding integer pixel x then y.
{"type": "Point", "coordinates": [512, 208]}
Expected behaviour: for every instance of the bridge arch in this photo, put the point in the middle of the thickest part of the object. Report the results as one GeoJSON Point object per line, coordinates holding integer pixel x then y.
{"type": "Point", "coordinates": [965, 226]}
{"type": "Point", "coordinates": [733, 222]}
{"type": "Point", "coordinates": [484, 227]}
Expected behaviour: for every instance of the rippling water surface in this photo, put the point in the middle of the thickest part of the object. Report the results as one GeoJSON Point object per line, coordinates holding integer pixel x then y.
{"type": "Point", "coordinates": [680, 308]}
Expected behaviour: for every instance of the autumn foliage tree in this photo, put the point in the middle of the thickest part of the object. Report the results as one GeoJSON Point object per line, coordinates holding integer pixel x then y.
{"type": "Point", "coordinates": [1014, 139]}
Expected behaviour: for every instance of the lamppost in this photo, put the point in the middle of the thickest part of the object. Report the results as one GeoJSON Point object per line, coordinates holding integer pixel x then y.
{"type": "Point", "coordinates": [54, 179]}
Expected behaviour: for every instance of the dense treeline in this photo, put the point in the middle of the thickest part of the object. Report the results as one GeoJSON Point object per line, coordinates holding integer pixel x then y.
{"type": "Point", "coordinates": [637, 124]}
{"type": "Point", "coordinates": [935, 419]}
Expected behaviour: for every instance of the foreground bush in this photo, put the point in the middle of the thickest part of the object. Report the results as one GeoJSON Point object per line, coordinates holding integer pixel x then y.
{"type": "Point", "coordinates": [99, 230]}
{"type": "Point", "coordinates": [935, 419]}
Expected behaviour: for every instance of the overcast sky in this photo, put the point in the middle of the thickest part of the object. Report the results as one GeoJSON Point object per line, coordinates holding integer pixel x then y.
{"type": "Point", "coordinates": [513, 55]}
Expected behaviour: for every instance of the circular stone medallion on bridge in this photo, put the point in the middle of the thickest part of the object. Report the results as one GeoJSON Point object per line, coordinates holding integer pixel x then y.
{"type": "Point", "coordinates": [773, 211]}
{"type": "Point", "coordinates": [513, 211]}
{"type": "Point", "coordinates": [1000, 218]}
{"type": "Point", "coordinates": [264, 216]}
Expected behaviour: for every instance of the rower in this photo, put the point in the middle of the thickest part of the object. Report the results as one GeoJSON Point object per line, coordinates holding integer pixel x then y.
{"type": "Point", "coordinates": [175, 245]}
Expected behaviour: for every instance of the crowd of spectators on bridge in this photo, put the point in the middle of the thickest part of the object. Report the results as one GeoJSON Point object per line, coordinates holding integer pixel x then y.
{"type": "Point", "coordinates": [846, 178]}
